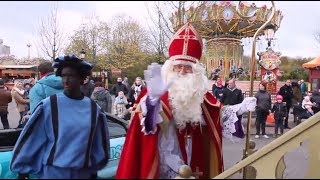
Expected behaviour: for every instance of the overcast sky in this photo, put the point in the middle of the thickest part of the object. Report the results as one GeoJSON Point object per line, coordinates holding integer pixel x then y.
{"type": "Point", "coordinates": [20, 21]}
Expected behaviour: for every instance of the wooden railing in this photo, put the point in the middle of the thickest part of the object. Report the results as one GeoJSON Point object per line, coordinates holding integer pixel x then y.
{"type": "Point", "coordinates": [268, 162]}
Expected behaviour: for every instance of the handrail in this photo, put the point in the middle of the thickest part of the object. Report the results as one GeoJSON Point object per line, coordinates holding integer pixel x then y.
{"type": "Point", "coordinates": [277, 148]}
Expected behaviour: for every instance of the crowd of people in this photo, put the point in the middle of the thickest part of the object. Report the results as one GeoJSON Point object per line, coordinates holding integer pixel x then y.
{"type": "Point", "coordinates": [28, 93]}
{"type": "Point", "coordinates": [292, 95]}
{"type": "Point", "coordinates": [174, 120]}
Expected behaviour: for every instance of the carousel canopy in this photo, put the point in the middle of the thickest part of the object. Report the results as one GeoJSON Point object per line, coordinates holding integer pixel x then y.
{"type": "Point", "coordinates": [218, 20]}
{"type": "Point", "coordinates": [312, 64]}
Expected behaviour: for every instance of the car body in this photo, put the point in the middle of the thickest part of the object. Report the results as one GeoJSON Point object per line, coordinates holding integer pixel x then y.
{"type": "Point", "coordinates": [117, 130]}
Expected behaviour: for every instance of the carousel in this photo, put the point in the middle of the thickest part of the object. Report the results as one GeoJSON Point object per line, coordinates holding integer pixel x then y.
{"type": "Point", "coordinates": [223, 29]}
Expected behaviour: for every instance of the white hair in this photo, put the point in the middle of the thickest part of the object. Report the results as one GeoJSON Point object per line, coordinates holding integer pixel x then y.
{"type": "Point", "coordinates": [186, 93]}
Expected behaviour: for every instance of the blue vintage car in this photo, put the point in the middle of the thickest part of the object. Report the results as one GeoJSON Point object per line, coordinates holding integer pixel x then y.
{"type": "Point", "coordinates": [117, 130]}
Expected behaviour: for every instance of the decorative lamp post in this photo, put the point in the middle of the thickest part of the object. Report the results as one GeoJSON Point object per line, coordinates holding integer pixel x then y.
{"type": "Point", "coordinates": [82, 54]}
{"type": "Point", "coordinates": [252, 68]}
{"type": "Point", "coordinates": [269, 34]}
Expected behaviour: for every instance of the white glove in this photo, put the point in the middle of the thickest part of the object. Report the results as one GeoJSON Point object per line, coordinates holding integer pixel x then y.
{"type": "Point", "coordinates": [155, 85]}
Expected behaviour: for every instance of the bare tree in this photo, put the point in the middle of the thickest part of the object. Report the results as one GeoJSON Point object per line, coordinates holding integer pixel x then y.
{"type": "Point", "coordinates": [51, 34]}
{"type": "Point", "coordinates": [159, 32]}
{"type": "Point", "coordinates": [165, 17]}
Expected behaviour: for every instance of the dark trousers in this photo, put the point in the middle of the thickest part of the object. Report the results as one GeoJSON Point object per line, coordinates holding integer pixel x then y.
{"type": "Point", "coordinates": [21, 116]}
{"type": "Point", "coordinates": [261, 121]}
{"type": "Point", "coordinates": [4, 120]}
{"type": "Point", "coordinates": [287, 116]}
{"type": "Point", "coordinates": [238, 126]}
{"type": "Point", "coordinates": [278, 124]}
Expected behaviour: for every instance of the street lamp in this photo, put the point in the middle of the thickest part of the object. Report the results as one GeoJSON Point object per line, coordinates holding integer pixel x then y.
{"type": "Point", "coordinates": [269, 34]}
{"type": "Point", "coordinates": [252, 71]}
{"type": "Point", "coordinates": [82, 54]}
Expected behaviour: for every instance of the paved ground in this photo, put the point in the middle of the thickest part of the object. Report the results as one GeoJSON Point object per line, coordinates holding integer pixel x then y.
{"type": "Point", "coordinates": [296, 161]}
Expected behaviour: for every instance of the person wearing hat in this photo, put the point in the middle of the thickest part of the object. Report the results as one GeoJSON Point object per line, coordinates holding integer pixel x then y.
{"type": "Point", "coordinates": [5, 99]}
{"type": "Point", "coordinates": [48, 84]}
{"type": "Point", "coordinates": [279, 109]}
{"type": "Point", "coordinates": [175, 120]}
{"type": "Point", "coordinates": [67, 135]}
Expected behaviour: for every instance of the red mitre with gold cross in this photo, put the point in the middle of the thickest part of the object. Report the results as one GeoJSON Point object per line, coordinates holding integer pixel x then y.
{"type": "Point", "coordinates": [186, 44]}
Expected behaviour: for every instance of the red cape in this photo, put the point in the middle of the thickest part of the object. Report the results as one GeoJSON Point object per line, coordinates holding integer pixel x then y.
{"type": "Point", "coordinates": [140, 155]}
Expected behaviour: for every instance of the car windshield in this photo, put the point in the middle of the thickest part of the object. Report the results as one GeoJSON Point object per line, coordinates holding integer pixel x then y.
{"type": "Point", "coordinates": [116, 130]}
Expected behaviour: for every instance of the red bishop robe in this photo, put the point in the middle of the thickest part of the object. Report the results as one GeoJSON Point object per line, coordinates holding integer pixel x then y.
{"type": "Point", "coordinates": [140, 153]}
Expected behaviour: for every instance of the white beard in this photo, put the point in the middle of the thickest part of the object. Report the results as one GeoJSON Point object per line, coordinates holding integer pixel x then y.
{"type": "Point", "coordinates": [186, 94]}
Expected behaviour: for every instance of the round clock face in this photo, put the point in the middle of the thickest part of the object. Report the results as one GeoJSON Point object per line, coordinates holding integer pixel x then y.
{"type": "Point", "coordinates": [251, 12]}
{"type": "Point", "coordinates": [228, 13]}
{"type": "Point", "coordinates": [204, 15]}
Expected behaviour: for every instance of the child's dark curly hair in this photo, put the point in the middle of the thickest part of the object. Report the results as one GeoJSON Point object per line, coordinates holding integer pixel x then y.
{"type": "Point", "coordinates": [82, 67]}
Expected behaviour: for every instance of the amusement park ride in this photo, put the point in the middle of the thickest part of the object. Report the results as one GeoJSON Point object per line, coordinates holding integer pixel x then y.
{"type": "Point", "coordinates": [223, 25]}
{"type": "Point", "coordinates": [223, 29]}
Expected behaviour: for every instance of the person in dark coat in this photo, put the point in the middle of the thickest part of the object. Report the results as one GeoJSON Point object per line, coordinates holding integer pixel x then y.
{"type": "Point", "coordinates": [279, 109]}
{"type": "Point", "coordinates": [87, 87]}
{"type": "Point", "coordinates": [232, 95]}
{"type": "Point", "coordinates": [102, 97]}
{"type": "Point", "coordinates": [214, 85]}
{"type": "Point", "coordinates": [5, 99]}
{"type": "Point", "coordinates": [297, 94]}
{"type": "Point", "coordinates": [218, 91]}
{"type": "Point", "coordinates": [126, 82]}
{"type": "Point", "coordinates": [130, 98]}
{"type": "Point", "coordinates": [315, 98]}
{"type": "Point", "coordinates": [262, 109]}
{"type": "Point", "coordinates": [287, 93]}
{"type": "Point", "coordinates": [119, 87]}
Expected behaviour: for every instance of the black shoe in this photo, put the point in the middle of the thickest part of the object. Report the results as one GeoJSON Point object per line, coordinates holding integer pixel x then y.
{"type": "Point", "coordinates": [287, 127]}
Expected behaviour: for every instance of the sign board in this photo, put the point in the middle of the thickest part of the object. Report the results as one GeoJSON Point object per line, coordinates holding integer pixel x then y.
{"type": "Point", "coordinates": [116, 71]}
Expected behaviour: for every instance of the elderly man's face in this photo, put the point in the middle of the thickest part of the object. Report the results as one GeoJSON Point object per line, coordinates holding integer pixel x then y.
{"type": "Point", "coordinates": [232, 84]}
{"type": "Point", "coordinates": [182, 69]}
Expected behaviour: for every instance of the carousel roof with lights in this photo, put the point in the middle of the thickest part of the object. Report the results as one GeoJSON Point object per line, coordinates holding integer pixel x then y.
{"type": "Point", "coordinates": [220, 19]}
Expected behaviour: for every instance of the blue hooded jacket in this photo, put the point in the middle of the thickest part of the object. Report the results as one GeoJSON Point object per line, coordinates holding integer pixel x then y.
{"type": "Point", "coordinates": [45, 87]}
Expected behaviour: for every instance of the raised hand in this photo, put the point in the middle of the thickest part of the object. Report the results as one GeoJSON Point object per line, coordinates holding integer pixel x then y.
{"type": "Point", "coordinates": [155, 85]}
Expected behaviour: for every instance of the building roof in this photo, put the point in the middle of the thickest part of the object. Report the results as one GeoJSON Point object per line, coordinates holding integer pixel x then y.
{"type": "Point", "coordinates": [16, 66]}
{"type": "Point", "coordinates": [313, 63]}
